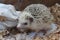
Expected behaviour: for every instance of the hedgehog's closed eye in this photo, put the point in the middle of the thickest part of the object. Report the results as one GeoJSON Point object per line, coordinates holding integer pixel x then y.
{"type": "Point", "coordinates": [25, 23]}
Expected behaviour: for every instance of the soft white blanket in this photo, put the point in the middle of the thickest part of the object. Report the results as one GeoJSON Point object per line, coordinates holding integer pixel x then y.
{"type": "Point", "coordinates": [10, 13]}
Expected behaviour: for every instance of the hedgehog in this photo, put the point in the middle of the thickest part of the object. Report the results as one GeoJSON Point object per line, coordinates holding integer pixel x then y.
{"type": "Point", "coordinates": [38, 18]}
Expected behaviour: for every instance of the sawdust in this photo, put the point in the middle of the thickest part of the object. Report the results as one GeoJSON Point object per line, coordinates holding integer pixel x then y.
{"type": "Point", "coordinates": [55, 9]}
{"type": "Point", "coordinates": [2, 18]}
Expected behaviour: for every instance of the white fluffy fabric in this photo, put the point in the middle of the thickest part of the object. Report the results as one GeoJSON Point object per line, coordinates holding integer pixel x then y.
{"type": "Point", "coordinates": [8, 11]}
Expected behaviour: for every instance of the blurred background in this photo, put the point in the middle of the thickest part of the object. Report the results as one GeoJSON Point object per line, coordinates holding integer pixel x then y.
{"type": "Point", "coordinates": [21, 4]}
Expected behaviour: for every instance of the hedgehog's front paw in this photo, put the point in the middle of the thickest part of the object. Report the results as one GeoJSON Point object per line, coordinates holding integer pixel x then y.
{"type": "Point", "coordinates": [31, 35]}
{"type": "Point", "coordinates": [41, 34]}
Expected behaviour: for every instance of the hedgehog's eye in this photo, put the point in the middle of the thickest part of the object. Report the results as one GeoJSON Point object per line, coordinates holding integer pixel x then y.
{"type": "Point", "coordinates": [25, 23]}
{"type": "Point", "coordinates": [34, 15]}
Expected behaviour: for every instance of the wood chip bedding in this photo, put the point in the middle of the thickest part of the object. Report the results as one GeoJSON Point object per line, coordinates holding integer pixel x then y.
{"type": "Point", "coordinates": [23, 36]}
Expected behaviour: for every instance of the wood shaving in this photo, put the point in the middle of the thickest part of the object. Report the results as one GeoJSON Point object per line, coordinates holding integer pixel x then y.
{"type": "Point", "coordinates": [2, 18]}
{"type": "Point", "coordinates": [53, 36]}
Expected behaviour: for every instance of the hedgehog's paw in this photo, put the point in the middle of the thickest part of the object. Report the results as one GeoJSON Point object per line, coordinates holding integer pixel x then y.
{"type": "Point", "coordinates": [41, 34]}
{"type": "Point", "coordinates": [31, 36]}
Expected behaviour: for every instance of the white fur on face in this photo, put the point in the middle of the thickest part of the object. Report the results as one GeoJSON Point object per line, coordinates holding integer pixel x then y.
{"type": "Point", "coordinates": [24, 20]}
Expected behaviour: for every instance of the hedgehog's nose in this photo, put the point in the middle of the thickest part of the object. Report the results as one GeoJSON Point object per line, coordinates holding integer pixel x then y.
{"type": "Point", "coordinates": [18, 26]}
{"type": "Point", "coordinates": [31, 19]}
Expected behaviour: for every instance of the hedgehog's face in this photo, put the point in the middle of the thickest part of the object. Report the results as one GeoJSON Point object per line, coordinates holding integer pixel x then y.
{"type": "Point", "coordinates": [25, 20]}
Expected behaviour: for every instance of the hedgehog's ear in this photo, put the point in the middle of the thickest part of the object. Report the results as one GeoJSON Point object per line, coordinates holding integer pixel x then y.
{"type": "Point", "coordinates": [30, 19]}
